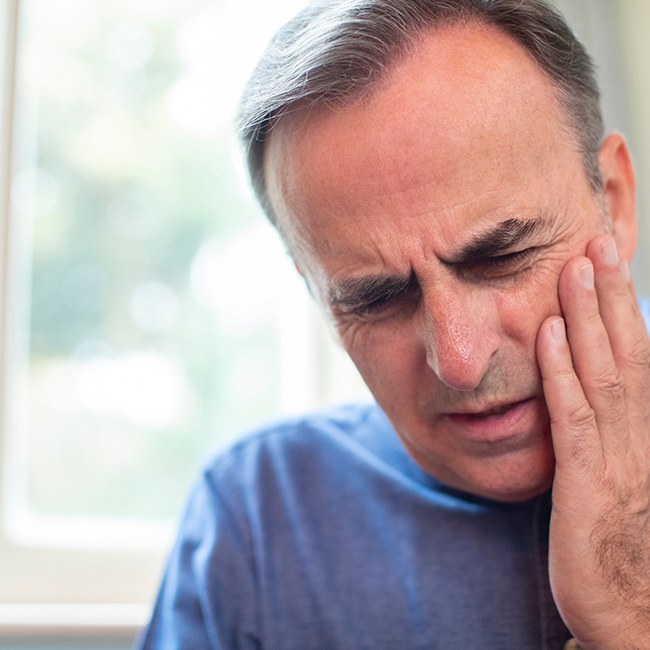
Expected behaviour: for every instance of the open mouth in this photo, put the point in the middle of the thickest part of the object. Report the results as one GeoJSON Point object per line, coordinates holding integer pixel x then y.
{"type": "Point", "coordinates": [500, 409]}
{"type": "Point", "coordinates": [509, 421]}
{"type": "Point", "coordinates": [497, 410]}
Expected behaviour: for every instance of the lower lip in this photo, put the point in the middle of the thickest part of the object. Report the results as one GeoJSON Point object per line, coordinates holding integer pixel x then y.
{"type": "Point", "coordinates": [517, 420]}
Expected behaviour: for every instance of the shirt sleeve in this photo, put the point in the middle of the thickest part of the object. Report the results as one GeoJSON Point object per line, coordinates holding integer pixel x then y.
{"type": "Point", "coordinates": [207, 598]}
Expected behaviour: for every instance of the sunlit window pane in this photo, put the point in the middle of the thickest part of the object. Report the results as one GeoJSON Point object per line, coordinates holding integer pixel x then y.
{"type": "Point", "coordinates": [155, 298]}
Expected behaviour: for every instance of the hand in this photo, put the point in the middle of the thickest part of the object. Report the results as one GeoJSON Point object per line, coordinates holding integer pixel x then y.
{"type": "Point", "coordinates": [596, 377]}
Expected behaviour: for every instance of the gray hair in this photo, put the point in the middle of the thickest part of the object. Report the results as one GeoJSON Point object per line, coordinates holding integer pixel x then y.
{"type": "Point", "coordinates": [334, 52]}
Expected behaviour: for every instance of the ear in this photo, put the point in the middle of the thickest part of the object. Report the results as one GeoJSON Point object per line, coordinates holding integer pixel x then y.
{"type": "Point", "coordinates": [619, 192]}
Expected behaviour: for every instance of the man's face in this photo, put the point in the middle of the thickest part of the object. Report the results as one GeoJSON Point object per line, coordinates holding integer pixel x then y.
{"type": "Point", "coordinates": [432, 220]}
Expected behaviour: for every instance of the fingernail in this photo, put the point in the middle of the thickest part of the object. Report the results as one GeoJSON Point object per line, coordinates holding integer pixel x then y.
{"type": "Point", "coordinates": [609, 253]}
{"type": "Point", "coordinates": [558, 331]}
{"type": "Point", "coordinates": [586, 274]}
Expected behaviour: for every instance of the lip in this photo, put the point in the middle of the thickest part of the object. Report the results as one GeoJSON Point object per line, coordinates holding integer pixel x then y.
{"type": "Point", "coordinates": [496, 423]}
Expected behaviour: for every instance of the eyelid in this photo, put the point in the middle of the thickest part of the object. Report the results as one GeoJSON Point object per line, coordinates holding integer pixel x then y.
{"type": "Point", "coordinates": [367, 291]}
{"type": "Point", "coordinates": [381, 302]}
{"type": "Point", "coordinates": [499, 265]}
{"type": "Point", "coordinates": [512, 256]}
{"type": "Point", "coordinates": [375, 304]}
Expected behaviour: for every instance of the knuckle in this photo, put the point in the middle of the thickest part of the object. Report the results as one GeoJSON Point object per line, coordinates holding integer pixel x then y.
{"type": "Point", "coordinates": [576, 425]}
{"type": "Point", "coordinates": [580, 418]}
{"type": "Point", "coordinates": [611, 387]}
{"type": "Point", "coordinates": [639, 356]}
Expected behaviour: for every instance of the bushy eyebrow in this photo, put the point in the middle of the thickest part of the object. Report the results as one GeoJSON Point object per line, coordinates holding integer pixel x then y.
{"type": "Point", "coordinates": [368, 289]}
{"type": "Point", "coordinates": [498, 240]}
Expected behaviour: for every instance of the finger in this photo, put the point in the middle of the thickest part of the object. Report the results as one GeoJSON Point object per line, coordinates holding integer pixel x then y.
{"type": "Point", "coordinates": [573, 422]}
{"type": "Point", "coordinates": [591, 351]}
{"type": "Point", "coordinates": [621, 317]}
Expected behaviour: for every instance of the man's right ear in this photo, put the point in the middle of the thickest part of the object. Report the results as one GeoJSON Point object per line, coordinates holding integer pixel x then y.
{"type": "Point", "coordinates": [619, 192]}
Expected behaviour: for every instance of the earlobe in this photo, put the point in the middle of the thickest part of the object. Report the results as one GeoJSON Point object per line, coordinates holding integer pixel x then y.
{"type": "Point", "coordinates": [619, 192]}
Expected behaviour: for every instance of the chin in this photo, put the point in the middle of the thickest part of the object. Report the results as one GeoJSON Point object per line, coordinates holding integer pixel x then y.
{"type": "Point", "coordinates": [513, 485]}
{"type": "Point", "coordinates": [510, 478]}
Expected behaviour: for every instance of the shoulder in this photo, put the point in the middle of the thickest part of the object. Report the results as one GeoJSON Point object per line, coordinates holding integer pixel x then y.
{"type": "Point", "coordinates": [302, 432]}
{"type": "Point", "coordinates": [296, 448]}
{"type": "Point", "coordinates": [277, 478]}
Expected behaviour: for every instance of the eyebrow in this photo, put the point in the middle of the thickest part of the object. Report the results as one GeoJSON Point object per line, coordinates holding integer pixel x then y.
{"type": "Point", "coordinates": [497, 240]}
{"type": "Point", "coordinates": [368, 289]}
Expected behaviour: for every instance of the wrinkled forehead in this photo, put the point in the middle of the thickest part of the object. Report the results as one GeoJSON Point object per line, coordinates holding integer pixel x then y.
{"type": "Point", "coordinates": [465, 92]}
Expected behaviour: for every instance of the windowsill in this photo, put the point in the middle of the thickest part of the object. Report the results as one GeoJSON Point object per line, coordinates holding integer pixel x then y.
{"type": "Point", "coordinates": [105, 621]}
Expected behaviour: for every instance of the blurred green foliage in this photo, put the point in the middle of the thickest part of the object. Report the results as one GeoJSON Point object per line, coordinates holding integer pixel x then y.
{"type": "Point", "coordinates": [119, 197]}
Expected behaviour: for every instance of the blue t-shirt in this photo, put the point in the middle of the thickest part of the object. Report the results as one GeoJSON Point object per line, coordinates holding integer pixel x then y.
{"type": "Point", "coordinates": [322, 533]}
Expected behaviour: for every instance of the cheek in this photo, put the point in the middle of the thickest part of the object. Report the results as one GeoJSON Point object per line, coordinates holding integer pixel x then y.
{"type": "Point", "coordinates": [387, 356]}
{"type": "Point", "coordinates": [526, 306]}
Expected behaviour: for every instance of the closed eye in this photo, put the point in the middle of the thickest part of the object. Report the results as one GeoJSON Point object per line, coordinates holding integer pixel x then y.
{"type": "Point", "coordinates": [375, 306]}
{"type": "Point", "coordinates": [366, 297]}
{"type": "Point", "coordinates": [510, 258]}
{"type": "Point", "coordinates": [497, 267]}
{"type": "Point", "coordinates": [383, 303]}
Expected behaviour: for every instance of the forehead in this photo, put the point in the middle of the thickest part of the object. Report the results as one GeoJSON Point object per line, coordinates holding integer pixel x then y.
{"type": "Point", "coordinates": [468, 113]}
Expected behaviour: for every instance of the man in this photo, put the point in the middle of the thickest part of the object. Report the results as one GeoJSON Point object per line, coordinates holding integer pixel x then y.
{"type": "Point", "coordinates": [439, 173]}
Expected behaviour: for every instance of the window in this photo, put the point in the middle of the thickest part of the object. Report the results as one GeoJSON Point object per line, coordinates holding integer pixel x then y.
{"type": "Point", "coordinates": [150, 313]}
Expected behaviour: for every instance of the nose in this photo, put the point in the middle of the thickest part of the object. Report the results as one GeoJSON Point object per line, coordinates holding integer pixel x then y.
{"type": "Point", "coordinates": [461, 336]}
